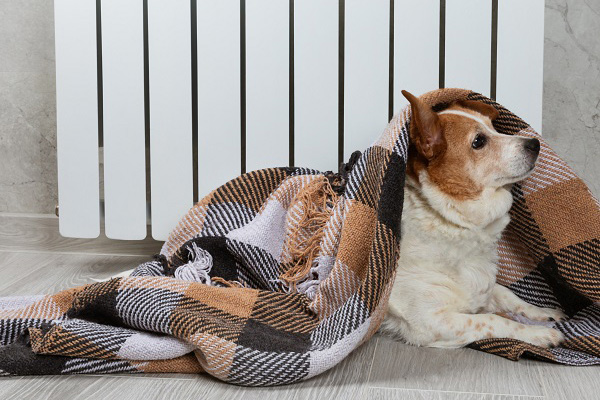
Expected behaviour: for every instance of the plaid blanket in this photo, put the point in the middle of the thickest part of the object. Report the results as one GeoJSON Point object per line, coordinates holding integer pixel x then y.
{"type": "Point", "coordinates": [280, 273]}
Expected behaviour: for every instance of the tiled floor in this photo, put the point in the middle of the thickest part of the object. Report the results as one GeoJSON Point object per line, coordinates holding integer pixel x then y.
{"type": "Point", "coordinates": [34, 259]}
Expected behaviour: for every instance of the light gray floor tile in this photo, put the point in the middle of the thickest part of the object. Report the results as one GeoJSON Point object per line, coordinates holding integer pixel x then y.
{"type": "Point", "coordinates": [44, 273]}
{"type": "Point", "coordinates": [397, 365]}
{"type": "Point", "coordinates": [564, 382]}
{"type": "Point", "coordinates": [416, 394]}
{"type": "Point", "coordinates": [40, 234]}
{"type": "Point", "coordinates": [104, 387]}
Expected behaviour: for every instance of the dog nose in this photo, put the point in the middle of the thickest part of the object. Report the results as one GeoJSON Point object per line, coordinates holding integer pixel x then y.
{"type": "Point", "coordinates": [532, 145]}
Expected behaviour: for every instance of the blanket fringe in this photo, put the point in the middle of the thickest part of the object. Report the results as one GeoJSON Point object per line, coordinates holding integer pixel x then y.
{"type": "Point", "coordinates": [226, 283]}
{"type": "Point", "coordinates": [317, 200]}
{"type": "Point", "coordinates": [198, 268]}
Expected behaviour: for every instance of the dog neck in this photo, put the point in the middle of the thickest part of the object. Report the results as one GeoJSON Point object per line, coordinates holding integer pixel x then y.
{"type": "Point", "coordinates": [484, 212]}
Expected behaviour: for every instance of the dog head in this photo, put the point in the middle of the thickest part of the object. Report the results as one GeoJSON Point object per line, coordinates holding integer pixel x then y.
{"type": "Point", "coordinates": [461, 152]}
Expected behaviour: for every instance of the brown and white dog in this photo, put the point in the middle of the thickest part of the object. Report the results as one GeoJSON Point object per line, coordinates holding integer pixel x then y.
{"type": "Point", "coordinates": [456, 204]}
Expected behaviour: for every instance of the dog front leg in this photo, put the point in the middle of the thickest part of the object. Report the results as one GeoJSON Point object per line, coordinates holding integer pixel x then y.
{"type": "Point", "coordinates": [458, 330]}
{"type": "Point", "coordinates": [503, 300]}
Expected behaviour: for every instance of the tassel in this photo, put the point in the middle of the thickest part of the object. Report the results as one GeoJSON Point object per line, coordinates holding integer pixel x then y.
{"type": "Point", "coordinates": [226, 283]}
{"type": "Point", "coordinates": [317, 200]}
{"type": "Point", "coordinates": [197, 269]}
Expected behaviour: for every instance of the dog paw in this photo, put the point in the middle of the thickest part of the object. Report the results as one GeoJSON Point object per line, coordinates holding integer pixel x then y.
{"type": "Point", "coordinates": [543, 336]}
{"type": "Point", "coordinates": [544, 314]}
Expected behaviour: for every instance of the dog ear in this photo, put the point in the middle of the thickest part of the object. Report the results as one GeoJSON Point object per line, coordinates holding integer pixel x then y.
{"type": "Point", "coordinates": [425, 128]}
{"type": "Point", "coordinates": [484, 109]}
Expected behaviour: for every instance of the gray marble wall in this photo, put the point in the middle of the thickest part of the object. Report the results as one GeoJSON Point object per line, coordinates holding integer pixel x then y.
{"type": "Point", "coordinates": [572, 85]}
{"type": "Point", "coordinates": [27, 107]}
{"type": "Point", "coordinates": [28, 116]}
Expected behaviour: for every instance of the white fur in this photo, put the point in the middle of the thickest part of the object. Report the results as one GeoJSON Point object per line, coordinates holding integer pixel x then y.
{"type": "Point", "coordinates": [470, 116]}
{"type": "Point", "coordinates": [445, 293]}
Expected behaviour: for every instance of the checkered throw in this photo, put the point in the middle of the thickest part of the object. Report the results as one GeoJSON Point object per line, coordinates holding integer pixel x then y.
{"type": "Point", "coordinates": [279, 274]}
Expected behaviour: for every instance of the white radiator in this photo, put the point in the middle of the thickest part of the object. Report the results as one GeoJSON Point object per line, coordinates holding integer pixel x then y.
{"type": "Point", "coordinates": [214, 88]}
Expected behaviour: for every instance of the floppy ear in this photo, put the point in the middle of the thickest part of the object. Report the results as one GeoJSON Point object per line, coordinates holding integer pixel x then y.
{"type": "Point", "coordinates": [425, 128]}
{"type": "Point", "coordinates": [485, 109]}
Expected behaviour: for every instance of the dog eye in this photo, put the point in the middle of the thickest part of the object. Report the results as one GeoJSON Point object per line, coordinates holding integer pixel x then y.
{"type": "Point", "coordinates": [479, 142]}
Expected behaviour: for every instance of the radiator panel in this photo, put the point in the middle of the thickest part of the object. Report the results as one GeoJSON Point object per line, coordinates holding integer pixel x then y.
{"type": "Point", "coordinates": [219, 93]}
{"type": "Point", "coordinates": [169, 57]}
{"type": "Point", "coordinates": [123, 115]}
{"type": "Point", "coordinates": [267, 84]}
{"type": "Point", "coordinates": [194, 92]}
{"type": "Point", "coordinates": [520, 77]}
{"type": "Point", "coordinates": [316, 83]}
{"type": "Point", "coordinates": [468, 45]}
{"type": "Point", "coordinates": [416, 62]}
{"type": "Point", "coordinates": [366, 76]}
{"type": "Point", "coordinates": [77, 118]}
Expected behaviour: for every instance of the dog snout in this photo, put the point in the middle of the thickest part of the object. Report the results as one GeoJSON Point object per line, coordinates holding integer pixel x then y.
{"type": "Point", "coordinates": [533, 146]}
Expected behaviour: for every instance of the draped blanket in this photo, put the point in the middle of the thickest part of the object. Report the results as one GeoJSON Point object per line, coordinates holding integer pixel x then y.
{"type": "Point", "coordinates": [279, 274]}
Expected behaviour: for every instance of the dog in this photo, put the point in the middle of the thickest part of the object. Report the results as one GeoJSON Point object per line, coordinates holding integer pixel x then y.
{"type": "Point", "coordinates": [456, 202]}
